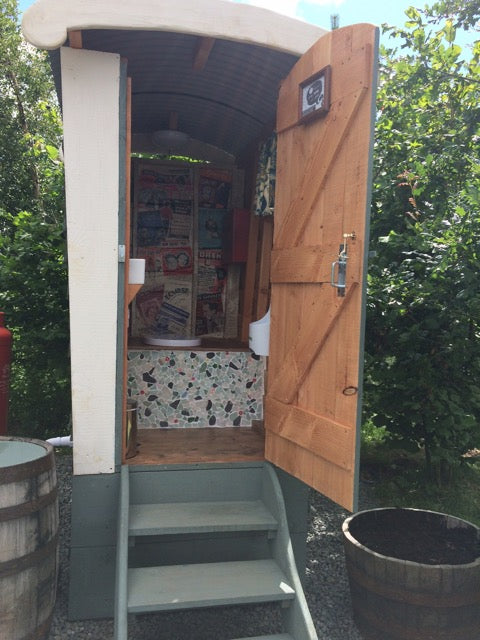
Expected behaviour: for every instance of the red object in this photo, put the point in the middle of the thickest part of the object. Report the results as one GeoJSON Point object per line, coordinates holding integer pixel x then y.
{"type": "Point", "coordinates": [5, 358]}
{"type": "Point", "coordinates": [236, 243]}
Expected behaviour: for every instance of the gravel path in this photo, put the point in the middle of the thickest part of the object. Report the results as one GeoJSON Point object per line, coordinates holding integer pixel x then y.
{"type": "Point", "coordinates": [326, 588]}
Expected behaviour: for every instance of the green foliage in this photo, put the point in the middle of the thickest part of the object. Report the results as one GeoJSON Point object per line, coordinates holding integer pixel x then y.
{"type": "Point", "coordinates": [167, 156]}
{"type": "Point", "coordinates": [464, 15]}
{"type": "Point", "coordinates": [423, 324]}
{"type": "Point", "coordinates": [34, 296]}
{"type": "Point", "coordinates": [400, 481]}
{"type": "Point", "coordinates": [33, 281]}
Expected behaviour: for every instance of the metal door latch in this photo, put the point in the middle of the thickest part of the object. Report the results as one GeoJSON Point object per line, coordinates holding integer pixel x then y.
{"type": "Point", "coordinates": [341, 262]}
{"type": "Point", "coordinates": [340, 282]}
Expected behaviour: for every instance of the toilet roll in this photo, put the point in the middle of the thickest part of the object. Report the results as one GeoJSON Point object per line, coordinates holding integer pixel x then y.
{"type": "Point", "coordinates": [136, 271]}
{"type": "Point", "coordinates": [259, 335]}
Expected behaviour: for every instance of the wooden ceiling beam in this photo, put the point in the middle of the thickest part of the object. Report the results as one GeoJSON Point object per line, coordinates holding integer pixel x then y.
{"type": "Point", "coordinates": [173, 120]}
{"type": "Point", "coordinates": [75, 39]}
{"type": "Point", "coordinates": [202, 52]}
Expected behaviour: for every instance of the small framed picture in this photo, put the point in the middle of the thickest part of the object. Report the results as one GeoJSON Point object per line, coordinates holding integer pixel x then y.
{"type": "Point", "coordinates": [314, 96]}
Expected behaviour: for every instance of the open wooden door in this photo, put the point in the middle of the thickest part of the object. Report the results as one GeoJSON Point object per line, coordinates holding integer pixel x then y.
{"type": "Point", "coordinates": [322, 204]}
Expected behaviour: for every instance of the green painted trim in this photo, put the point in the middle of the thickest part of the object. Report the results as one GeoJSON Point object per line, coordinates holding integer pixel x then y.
{"type": "Point", "coordinates": [121, 561]}
{"type": "Point", "coordinates": [95, 500]}
{"type": "Point", "coordinates": [296, 496]}
{"type": "Point", "coordinates": [365, 270]}
{"type": "Point", "coordinates": [121, 265]}
{"type": "Point", "coordinates": [297, 619]}
{"type": "Point", "coordinates": [94, 510]}
{"type": "Point", "coordinates": [95, 497]}
{"type": "Point", "coordinates": [92, 575]}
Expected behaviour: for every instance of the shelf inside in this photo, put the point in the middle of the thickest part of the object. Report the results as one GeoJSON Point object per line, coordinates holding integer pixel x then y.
{"type": "Point", "coordinates": [132, 290]}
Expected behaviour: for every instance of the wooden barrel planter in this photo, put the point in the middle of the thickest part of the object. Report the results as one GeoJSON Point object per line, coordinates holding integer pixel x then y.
{"type": "Point", "coordinates": [414, 575]}
{"type": "Point", "coordinates": [28, 538]}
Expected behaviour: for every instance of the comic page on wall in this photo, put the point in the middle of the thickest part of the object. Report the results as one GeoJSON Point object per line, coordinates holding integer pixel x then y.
{"type": "Point", "coordinates": [214, 191]}
{"type": "Point", "coordinates": [163, 236]}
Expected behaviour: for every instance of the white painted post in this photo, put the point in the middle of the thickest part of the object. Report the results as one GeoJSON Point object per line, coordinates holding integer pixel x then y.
{"type": "Point", "coordinates": [90, 97]}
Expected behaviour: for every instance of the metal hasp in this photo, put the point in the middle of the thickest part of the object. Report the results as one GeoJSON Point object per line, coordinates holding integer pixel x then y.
{"type": "Point", "coordinates": [340, 284]}
{"type": "Point", "coordinates": [341, 272]}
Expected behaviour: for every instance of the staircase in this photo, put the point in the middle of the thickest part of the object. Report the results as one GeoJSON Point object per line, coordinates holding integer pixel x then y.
{"type": "Point", "coordinates": [266, 576]}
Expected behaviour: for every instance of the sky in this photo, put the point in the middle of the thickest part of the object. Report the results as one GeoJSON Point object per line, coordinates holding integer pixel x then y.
{"type": "Point", "coordinates": [349, 11]}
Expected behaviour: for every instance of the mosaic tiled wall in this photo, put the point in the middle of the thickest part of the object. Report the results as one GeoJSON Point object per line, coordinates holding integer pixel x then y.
{"type": "Point", "coordinates": [196, 388]}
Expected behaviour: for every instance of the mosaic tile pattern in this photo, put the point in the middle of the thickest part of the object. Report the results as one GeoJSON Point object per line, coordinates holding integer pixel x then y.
{"type": "Point", "coordinates": [187, 389]}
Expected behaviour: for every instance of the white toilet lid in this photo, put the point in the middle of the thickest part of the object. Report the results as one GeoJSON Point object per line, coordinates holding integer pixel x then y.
{"type": "Point", "coordinates": [171, 341]}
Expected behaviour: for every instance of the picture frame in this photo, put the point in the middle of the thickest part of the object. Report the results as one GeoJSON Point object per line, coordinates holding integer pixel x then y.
{"type": "Point", "coordinates": [314, 96]}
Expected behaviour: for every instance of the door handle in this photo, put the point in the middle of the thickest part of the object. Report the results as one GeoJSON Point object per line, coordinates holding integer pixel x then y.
{"type": "Point", "coordinates": [339, 282]}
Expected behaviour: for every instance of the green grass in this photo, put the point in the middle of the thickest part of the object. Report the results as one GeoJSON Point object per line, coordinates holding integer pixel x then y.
{"type": "Point", "coordinates": [399, 480]}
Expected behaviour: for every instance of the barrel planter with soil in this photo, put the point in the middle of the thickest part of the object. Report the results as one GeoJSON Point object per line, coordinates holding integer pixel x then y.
{"type": "Point", "coordinates": [413, 574]}
{"type": "Point", "coordinates": [28, 538]}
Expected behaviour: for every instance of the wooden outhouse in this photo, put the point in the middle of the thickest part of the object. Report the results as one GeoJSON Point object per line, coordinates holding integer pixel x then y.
{"type": "Point", "coordinates": [229, 148]}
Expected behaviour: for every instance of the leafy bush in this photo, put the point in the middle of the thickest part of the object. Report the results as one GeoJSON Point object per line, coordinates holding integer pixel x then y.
{"type": "Point", "coordinates": [423, 323]}
{"type": "Point", "coordinates": [33, 279]}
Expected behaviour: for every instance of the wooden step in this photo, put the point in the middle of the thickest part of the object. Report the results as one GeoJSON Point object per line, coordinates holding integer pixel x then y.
{"type": "Point", "coordinates": [199, 517]}
{"type": "Point", "coordinates": [206, 585]}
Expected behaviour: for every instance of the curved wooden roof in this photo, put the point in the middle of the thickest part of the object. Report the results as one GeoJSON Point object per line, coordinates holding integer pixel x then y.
{"type": "Point", "coordinates": [215, 64]}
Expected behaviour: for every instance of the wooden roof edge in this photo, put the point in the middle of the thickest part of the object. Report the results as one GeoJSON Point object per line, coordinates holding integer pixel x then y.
{"type": "Point", "coordinates": [46, 23]}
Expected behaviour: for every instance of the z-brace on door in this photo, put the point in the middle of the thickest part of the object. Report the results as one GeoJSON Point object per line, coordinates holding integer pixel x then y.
{"type": "Point", "coordinates": [318, 264]}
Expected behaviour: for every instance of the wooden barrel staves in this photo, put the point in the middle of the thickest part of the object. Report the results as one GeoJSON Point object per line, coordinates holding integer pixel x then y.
{"type": "Point", "coordinates": [28, 538]}
{"type": "Point", "coordinates": [414, 575]}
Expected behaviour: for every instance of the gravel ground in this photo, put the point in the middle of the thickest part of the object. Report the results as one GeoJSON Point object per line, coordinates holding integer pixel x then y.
{"type": "Point", "coordinates": [326, 588]}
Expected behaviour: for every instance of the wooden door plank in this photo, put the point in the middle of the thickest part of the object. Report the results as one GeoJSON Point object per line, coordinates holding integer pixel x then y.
{"type": "Point", "coordinates": [318, 434]}
{"type": "Point", "coordinates": [354, 58]}
{"type": "Point", "coordinates": [300, 209]}
{"type": "Point", "coordinates": [263, 289]}
{"type": "Point", "coordinates": [305, 348]}
{"type": "Point", "coordinates": [312, 405]}
{"type": "Point", "coordinates": [324, 476]}
{"type": "Point", "coordinates": [311, 264]}
{"type": "Point", "coordinates": [251, 270]}
{"type": "Point", "coordinates": [301, 264]}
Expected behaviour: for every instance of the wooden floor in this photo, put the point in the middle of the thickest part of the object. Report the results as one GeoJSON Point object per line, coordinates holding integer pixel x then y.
{"type": "Point", "coordinates": [205, 445]}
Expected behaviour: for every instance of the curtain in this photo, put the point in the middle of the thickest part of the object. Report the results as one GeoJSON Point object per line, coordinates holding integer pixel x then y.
{"type": "Point", "coordinates": [264, 202]}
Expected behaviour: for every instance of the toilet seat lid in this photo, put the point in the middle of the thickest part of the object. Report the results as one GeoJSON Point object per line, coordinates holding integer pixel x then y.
{"type": "Point", "coordinates": [169, 340]}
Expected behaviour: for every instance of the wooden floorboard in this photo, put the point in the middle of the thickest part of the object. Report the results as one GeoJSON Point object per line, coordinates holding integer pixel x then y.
{"type": "Point", "coordinates": [204, 445]}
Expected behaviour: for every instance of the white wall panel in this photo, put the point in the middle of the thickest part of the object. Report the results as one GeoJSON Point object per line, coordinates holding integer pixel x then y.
{"type": "Point", "coordinates": [90, 95]}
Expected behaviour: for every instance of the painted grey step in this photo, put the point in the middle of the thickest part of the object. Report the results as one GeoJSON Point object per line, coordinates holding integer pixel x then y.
{"type": "Point", "coordinates": [279, 636]}
{"type": "Point", "coordinates": [199, 517]}
{"type": "Point", "coordinates": [190, 484]}
{"type": "Point", "coordinates": [206, 585]}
